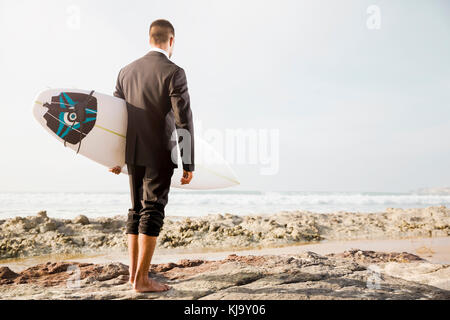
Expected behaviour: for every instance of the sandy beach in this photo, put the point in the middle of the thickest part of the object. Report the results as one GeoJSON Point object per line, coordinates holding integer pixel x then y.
{"type": "Point", "coordinates": [396, 254]}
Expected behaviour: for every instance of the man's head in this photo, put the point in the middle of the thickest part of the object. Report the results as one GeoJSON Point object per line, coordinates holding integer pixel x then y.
{"type": "Point", "coordinates": [162, 35]}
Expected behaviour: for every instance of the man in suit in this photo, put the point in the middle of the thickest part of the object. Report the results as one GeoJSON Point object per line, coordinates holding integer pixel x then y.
{"type": "Point", "coordinates": [155, 90]}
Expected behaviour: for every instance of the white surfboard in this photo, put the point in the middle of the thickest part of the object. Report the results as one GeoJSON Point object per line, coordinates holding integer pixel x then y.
{"type": "Point", "coordinates": [95, 124]}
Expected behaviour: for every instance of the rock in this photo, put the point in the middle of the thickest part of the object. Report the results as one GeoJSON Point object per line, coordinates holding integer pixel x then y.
{"type": "Point", "coordinates": [42, 214]}
{"type": "Point", "coordinates": [420, 272]}
{"type": "Point", "coordinates": [58, 273]}
{"type": "Point", "coordinates": [29, 224]}
{"type": "Point", "coordinates": [370, 257]}
{"type": "Point", "coordinates": [217, 232]}
{"type": "Point", "coordinates": [7, 275]}
{"type": "Point", "coordinates": [81, 220]}
{"type": "Point", "coordinates": [287, 277]}
{"type": "Point", "coordinates": [49, 226]}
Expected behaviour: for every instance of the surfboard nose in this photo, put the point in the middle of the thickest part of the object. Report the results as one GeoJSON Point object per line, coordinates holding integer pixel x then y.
{"type": "Point", "coordinates": [38, 105]}
{"type": "Point", "coordinates": [38, 110]}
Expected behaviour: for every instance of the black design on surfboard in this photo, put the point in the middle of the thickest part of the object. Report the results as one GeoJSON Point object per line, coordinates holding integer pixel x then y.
{"type": "Point", "coordinates": [71, 115]}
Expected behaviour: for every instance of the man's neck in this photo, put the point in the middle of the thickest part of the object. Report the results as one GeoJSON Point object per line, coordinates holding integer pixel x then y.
{"type": "Point", "coordinates": [158, 49]}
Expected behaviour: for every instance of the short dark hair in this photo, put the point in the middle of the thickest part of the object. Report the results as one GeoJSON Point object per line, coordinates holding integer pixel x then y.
{"type": "Point", "coordinates": [160, 31]}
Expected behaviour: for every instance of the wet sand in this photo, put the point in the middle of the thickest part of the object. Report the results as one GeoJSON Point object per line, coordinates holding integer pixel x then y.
{"type": "Point", "coordinates": [434, 250]}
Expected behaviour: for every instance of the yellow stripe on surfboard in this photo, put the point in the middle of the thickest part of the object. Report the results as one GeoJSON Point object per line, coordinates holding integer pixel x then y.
{"type": "Point", "coordinates": [218, 174]}
{"type": "Point", "coordinates": [120, 135]}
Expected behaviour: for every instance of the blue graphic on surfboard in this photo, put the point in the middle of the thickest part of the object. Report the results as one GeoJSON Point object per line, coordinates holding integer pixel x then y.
{"type": "Point", "coordinates": [71, 115]}
{"type": "Point", "coordinates": [94, 125]}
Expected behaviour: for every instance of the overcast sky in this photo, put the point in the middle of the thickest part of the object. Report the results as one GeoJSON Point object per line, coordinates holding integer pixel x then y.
{"type": "Point", "coordinates": [357, 109]}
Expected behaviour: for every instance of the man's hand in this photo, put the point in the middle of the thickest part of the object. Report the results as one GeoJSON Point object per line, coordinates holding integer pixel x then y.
{"type": "Point", "coordinates": [115, 170]}
{"type": "Point", "coordinates": [187, 177]}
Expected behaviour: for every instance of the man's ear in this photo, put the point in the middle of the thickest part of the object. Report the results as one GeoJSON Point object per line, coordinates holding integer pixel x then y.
{"type": "Point", "coordinates": [171, 41]}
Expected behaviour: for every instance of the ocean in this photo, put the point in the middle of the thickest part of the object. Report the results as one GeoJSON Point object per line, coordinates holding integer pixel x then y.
{"type": "Point", "coordinates": [195, 203]}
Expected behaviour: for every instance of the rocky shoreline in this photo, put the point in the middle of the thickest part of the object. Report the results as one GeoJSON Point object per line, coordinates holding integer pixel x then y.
{"type": "Point", "coordinates": [41, 234]}
{"type": "Point", "coordinates": [350, 275]}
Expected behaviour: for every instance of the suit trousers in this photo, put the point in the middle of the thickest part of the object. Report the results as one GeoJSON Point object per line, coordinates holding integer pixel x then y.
{"type": "Point", "coordinates": [149, 189]}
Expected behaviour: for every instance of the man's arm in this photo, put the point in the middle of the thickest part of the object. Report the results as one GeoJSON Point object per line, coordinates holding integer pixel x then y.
{"type": "Point", "coordinates": [181, 106]}
{"type": "Point", "coordinates": [119, 92]}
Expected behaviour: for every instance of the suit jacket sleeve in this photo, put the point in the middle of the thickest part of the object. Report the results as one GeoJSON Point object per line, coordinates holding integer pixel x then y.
{"type": "Point", "coordinates": [118, 91]}
{"type": "Point", "coordinates": [179, 97]}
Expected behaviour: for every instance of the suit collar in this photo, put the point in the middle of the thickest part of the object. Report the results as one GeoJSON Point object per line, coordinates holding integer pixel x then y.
{"type": "Point", "coordinates": [158, 51]}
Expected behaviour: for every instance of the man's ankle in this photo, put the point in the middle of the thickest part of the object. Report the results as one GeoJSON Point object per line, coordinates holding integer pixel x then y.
{"type": "Point", "coordinates": [139, 278]}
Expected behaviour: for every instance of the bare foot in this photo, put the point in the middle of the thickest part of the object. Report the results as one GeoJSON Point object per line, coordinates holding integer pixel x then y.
{"type": "Point", "coordinates": [150, 285]}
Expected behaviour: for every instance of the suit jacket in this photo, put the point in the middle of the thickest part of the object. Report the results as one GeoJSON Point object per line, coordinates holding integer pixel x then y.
{"type": "Point", "coordinates": [155, 90]}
